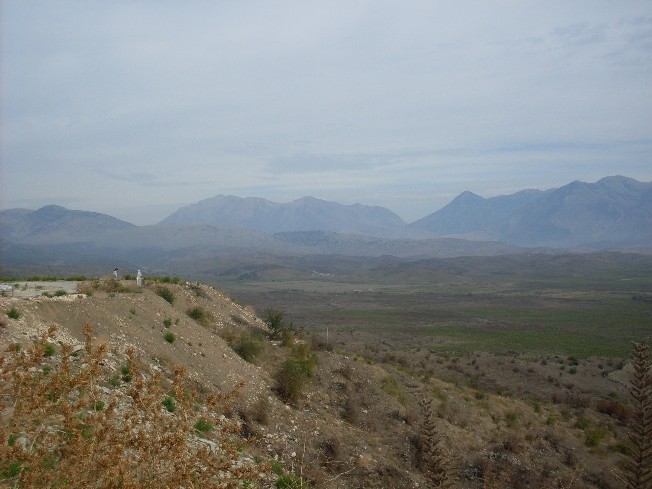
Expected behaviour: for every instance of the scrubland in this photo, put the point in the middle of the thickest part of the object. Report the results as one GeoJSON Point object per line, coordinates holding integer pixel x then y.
{"type": "Point", "coordinates": [325, 383]}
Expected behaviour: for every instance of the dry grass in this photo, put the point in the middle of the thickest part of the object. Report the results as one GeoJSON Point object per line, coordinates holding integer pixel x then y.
{"type": "Point", "coordinates": [63, 426]}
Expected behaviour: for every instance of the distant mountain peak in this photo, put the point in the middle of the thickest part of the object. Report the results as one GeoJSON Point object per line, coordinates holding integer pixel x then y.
{"type": "Point", "coordinates": [305, 214]}
{"type": "Point", "coordinates": [613, 211]}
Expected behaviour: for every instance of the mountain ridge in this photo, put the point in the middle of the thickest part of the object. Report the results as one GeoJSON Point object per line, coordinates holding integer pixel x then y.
{"type": "Point", "coordinates": [615, 212]}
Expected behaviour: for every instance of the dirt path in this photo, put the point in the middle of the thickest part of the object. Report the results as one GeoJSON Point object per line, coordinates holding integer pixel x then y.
{"type": "Point", "coordinates": [33, 289]}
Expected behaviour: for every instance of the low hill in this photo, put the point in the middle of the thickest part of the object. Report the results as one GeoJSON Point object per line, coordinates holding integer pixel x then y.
{"type": "Point", "coordinates": [54, 224]}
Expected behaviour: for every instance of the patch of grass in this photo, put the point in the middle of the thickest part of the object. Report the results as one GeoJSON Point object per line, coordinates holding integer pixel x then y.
{"type": "Point", "coordinates": [199, 314]}
{"type": "Point", "coordinates": [170, 404]}
{"type": "Point", "coordinates": [49, 350]}
{"type": "Point", "coordinates": [390, 387]}
{"type": "Point", "coordinates": [512, 418]}
{"type": "Point", "coordinates": [248, 346]}
{"type": "Point", "coordinates": [593, 437]}
{"type": "Point", "coordinates": [203, 426]}
{"type": "Point", "coordinates": [13, 313]}
{"type": "Point", "coordinates": [294, 373]}
{"type": "Point", "coordinates": [166, 294]}
{"type": "Point", "coordinates": [125, 370]}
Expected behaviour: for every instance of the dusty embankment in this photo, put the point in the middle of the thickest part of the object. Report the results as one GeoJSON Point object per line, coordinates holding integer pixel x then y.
{"type": "Point", "coordinates": [138, 319]}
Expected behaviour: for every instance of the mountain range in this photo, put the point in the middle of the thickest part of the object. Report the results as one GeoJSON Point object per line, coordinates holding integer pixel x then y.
{"type": "Point", "coordinates": [615, 212]}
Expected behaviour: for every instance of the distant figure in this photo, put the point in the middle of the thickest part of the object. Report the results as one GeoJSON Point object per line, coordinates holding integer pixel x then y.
{"type": "Point", "coordinates": [115, 273]}
{"type": "Point", "coordinates": [139, 278]}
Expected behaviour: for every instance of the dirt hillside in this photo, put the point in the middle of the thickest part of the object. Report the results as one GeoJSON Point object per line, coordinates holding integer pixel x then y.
{"type": "Point", "coordinates": [357, 423]}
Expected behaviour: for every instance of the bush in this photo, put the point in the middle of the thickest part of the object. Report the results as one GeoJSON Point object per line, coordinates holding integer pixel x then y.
{"type": "Point", "coordinates": [204, 426]}
{"type": "Point", "coordinates": [48, 350]}
{"type": "Point", "coordinates": [169, 337]}
{"type": "Point", "coordinates": [294, 373]}
{"type": "Point", "coordinates": [165, 293]}
{"type": "Point", "coordinates": [275, 321]}
{"type": "Point", "coordinates": [595, 436]}
{"type": "Point", "coordinates": [13, 313]}
{"type": "Point", "coordinates": [126, 373]}
{"type": "Point", "coordinates": [170, 404]}
{"type": "Point", "coordinates": [248, 346]}
{"type": "Point", "coordinates": [198, 314]}
{"type": "Point", "coordinates": [167, 322]}
{"type": "Point", "coordinates": [63, 443]}
{"type": "Point", "coordinates": [614, 409]}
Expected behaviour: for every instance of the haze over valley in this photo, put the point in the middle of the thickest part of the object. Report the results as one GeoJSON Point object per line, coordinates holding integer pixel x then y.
{"type": "Point", "coordinates": [325, 245]}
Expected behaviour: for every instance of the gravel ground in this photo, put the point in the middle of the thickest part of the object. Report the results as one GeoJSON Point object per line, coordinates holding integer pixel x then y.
{"type": "Point", "coordinates": [33, 289]}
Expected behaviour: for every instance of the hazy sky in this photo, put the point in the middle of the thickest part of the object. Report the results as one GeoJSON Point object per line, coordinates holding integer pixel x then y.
{"type": "Point", "coordinates": [134, 108]}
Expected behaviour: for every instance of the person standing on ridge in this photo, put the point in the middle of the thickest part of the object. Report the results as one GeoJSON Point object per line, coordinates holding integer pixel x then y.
{"type": "Point", "coordinates": [115, 273]}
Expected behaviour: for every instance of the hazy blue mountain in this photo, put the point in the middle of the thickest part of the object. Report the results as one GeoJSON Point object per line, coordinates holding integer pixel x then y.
{"type": "Point", "coordinates": [306, 214]}
{"type": "Point", "coordinates": [53, 224]}
{"type": "Point", "coordinates": [616, 211]}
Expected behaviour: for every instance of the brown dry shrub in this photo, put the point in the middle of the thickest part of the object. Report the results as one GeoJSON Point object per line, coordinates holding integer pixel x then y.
{"type": "Point", "coordinates": [61, 427]}
{"type": "Point", "coordinates": [614, 409]}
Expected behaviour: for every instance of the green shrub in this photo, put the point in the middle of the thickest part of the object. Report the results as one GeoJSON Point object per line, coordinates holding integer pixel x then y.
{"type": "Point", "coordinates": [165, 293]}
{"type": "Point", "coordinates": [293, 375]}
{"type": "Point", "coordinates": [582, 423]}
{"type": "Point", "coordinates": [204, 426]}
{"type": "Point", "coordinates": [126, 373]}
{"type": "Point", "coordinates": [595, 436]}
{"type": "Point", "coordinates": [13, 313]}
{"type": "Point", "coordinates": [49, 350]}
{"type": "Point", "coordinates": [167, 322]}
{"type": "Point", "coordinates": [198, 314]}
{"type": "Point", "coordinates": [170, 404]}
{"type": "Point", "coordinates": [60, 293]}
{"type": "Point", "coordinates": [275, 321]}
{"type": "Point", "coordinates": [248, 346]}
{"type": "Point", "coordinates": [169, 337]}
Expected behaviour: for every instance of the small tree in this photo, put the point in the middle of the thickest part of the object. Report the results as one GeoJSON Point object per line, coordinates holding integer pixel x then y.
{"type": "Point", "coordinates": [433, 461]}
{"type": "Point", "coordinates": [275, 320]}
{"type": "Point", "coordinates": [639, 466]}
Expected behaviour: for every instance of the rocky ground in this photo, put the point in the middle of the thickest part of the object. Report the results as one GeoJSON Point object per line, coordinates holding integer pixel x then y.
{"type": "Point", "coordinates": [357, 422]}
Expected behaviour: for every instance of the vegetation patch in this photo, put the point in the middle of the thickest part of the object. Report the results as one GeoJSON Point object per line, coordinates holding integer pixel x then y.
{"type": "Point", "coordinates": [199, 314]}
{"type": "Point", "coordinates": [13, 313]}
{"type": "Point", "coordinates": [166, 294]}
{"type": "Point", "coordinates": [91, 447]}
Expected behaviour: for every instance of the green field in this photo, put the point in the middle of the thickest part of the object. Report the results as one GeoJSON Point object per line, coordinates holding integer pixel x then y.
{"type": "Point", "coordinates": [571, 310]}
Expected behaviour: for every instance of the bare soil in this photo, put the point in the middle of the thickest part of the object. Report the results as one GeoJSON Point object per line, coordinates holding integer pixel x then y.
{"type": "Point", "coordinates": [357, 423]}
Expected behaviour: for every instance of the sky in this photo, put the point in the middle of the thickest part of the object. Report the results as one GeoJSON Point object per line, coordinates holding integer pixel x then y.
{"type": "Point", "coordinates": [136, 108]}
